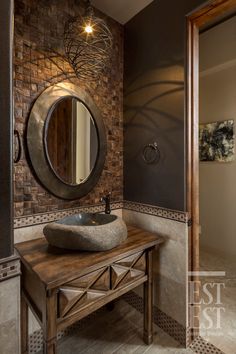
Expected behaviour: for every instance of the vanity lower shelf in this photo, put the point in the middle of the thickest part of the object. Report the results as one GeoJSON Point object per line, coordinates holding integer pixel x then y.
{"type": "Point", "coordinates": [62, 287]}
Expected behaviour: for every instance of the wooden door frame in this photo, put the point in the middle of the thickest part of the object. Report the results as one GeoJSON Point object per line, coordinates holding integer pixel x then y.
{"type": "Point", "coordinates": [208, 14]}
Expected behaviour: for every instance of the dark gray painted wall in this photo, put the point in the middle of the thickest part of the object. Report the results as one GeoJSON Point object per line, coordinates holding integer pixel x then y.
{"type": "Point", "coordinates": [154, 103]}
{"type": "Point", "coordinates": [6, 219]}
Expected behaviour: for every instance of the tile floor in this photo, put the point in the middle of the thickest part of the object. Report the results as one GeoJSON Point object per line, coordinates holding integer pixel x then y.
{"type": "Point", "coordinates": [223, 337]}
{"type": "Point", "coordinates": [118, 332]}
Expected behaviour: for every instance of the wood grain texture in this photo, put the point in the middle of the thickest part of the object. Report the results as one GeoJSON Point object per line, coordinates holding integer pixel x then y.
{"type": "Point", "coordinates": [63, 323]}
{"type": "Point", "coordinates": [49, 323]}
{"type": "Point", "coordinates": [83, 291]}
{"type": "Point", "coordinates": [74, 284]}
{"type": "Point", "coordinates": [59, 137]}
{"type": "Point", "coordinates": [205, 16]}
{"type": "Point", "coordinates": [54, 266]}
{"type": "Point", "coordinates": [212, 11]}
{"type": "Point", "coordinates": [118, 332]}
{"type": "Point", "coordinates": [148, 302]}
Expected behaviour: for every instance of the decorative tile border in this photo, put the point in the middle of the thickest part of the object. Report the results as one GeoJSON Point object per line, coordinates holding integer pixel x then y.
{"type": "Point", "coordinates": [9, 268]}
{"type": "Point", "coordinates": [201, 346]}
{"type": "Point", "coordinates": [173, 328]}
{"type": "Point", "coordinates": [162, 320]}
{"type": "Point", "coordinates": [36, 338]}
{"type": "Point", "coordinates": [188, 337]}
{"type": "Point", "coordinates": [35, 342]}
{"type": "Point", "coordinates": [55, 215]}
{"type": "Point", "coordinates": [180, 216]}
{"type": "Point", "coordinates": [42, 218]}
{"type": "Point", "coordinates": [168, 324]}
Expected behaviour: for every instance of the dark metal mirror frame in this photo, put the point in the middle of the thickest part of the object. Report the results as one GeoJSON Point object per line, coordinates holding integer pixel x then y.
{"type": "Point", "coordinates": [39, 115]}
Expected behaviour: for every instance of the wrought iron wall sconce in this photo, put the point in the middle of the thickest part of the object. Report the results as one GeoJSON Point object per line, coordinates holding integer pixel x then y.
{"type": "Point", "coordinates": [88, 44]}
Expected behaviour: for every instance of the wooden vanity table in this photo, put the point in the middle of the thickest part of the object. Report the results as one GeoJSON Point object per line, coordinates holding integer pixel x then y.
{"type": "Point", "coordinates": [61, 287]}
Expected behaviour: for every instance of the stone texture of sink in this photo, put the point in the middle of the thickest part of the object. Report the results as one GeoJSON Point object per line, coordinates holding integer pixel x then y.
{"type": "Point", "coordinates": [86, 232]}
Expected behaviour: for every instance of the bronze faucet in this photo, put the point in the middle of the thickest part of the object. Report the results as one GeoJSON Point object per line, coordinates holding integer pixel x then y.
{"type": "Point", "coordinates": [107, 200]}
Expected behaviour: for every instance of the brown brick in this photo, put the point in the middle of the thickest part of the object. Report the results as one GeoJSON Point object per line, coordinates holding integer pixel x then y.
{"type": "Point", "coordinates": [37, 23]}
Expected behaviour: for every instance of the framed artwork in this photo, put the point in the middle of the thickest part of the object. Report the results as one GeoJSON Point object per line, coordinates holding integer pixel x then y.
{"type": "Point", "coordinates": [216, 141]}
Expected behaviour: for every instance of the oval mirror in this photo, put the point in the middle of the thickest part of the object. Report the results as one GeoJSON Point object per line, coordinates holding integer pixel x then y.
{"type": "Point", "coordinates": [71, 141]}
{"type": "Point", "coordinates": [66, 141]}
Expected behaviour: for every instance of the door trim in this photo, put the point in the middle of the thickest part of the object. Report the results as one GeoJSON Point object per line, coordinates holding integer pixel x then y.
{"type": "Point", "coordinates": [203, 17]}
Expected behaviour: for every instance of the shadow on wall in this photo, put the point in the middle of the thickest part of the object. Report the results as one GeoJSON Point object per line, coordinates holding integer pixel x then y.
{"type": "Point", "coordinates": [154, 102]}
{"type": "Point", "coordinates": [43, 41]}
{"type": "Point", "coordinates": [39, 62]}
{"type": "Point", "coordinates": [153, 111]}
{"type": "Point", "coordinates": [51, 57]}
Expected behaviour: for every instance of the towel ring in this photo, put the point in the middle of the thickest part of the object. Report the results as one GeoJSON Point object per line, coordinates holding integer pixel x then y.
{"type": "Point", "coordinates": [151, 153]}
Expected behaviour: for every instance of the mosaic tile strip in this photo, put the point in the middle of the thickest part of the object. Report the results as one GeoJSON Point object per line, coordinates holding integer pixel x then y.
{"type": "Point", "coordinates": [42, 218]}
{"type": "Point", "coordinates": [201, 346]}
{"type": "Point", "coordinates": [52, 216]}
{"type": "Point", "coordinates": [162, 320]}
{"type": "Point", "coordinates": [173, 328]}
{"type": "Point", "coordinates": [188, 337]}
{"type": "Point", "coordinates": [35, 342]}
{"type": "Point", "coordinates": [168, 324]}
{"type": "Point", "coordinates": [36, 338]}
{"type": "Point", "coordinates": [180, 216]}
{"type": "Point", "coordinates": [10, 267]}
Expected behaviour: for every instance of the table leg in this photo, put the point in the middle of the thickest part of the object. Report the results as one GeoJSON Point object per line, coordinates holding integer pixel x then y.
{"type": "Point", "coordinates": [50, 347]}
{"type": "Point", "coordinates": [148, 302]}
{"type": "Point", "coordinates": [24, 325]}
{"type": "Point", "coordinates": [49, 324]}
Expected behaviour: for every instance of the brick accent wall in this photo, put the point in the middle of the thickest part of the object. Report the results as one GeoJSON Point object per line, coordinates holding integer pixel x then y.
{"type": "Point", "coordinates": [38, 63]}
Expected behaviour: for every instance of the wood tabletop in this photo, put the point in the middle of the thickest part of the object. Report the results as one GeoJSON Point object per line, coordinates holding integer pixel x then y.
{"type": "Point", "coordinates": [54, 266]}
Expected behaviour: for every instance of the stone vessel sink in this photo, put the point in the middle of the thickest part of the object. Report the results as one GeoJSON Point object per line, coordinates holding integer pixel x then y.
{"type": "Point", "coordinates": [86, 232]}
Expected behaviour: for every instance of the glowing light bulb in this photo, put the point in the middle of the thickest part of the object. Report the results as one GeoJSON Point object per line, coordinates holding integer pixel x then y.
{"type": "Point", "coordinates": [88, 29]}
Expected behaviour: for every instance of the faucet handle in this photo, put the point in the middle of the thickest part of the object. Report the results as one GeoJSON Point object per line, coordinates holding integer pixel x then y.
{"type": "Point", "coordinates": [107, 200]}
{"type": "Point", "coordinates": [106, 197]}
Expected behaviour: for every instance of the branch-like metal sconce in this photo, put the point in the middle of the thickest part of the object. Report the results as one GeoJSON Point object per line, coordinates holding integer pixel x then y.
{"type": "Point", "coordinates": [88, 44]}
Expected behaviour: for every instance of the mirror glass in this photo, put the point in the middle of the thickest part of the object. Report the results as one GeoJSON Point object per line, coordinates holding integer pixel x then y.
{"type": "Point", "coordinates": [71, 141]}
